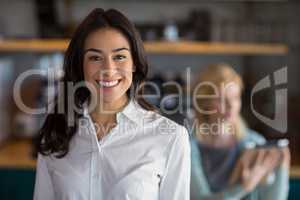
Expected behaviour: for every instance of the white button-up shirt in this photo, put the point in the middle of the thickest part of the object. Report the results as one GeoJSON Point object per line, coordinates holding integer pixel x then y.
{"type": "Point", "coordinates": [144, 157]}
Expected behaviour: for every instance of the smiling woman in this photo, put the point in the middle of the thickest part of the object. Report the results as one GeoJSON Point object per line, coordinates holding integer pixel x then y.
{"type": "Point", "coordinates": [136, 153]}
{"type": "Point", "coordinates": [108, 65]}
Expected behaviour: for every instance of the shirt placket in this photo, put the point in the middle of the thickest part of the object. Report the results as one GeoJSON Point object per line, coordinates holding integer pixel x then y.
{"type": "Point", "coordinates": [97, 168]}
{"type": "Point", "coordinates": [95, 173]}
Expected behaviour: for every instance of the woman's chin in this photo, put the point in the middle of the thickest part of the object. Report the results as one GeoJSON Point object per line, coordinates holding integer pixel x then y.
{"type": "Point", "coordinates": [111, 98]}
{"type": "Point", "coordinates": [108, 99]}
{"type": "Point", "coordinates": [230, 120]}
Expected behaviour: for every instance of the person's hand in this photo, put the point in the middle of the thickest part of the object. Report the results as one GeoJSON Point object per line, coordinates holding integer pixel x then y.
{"type": "Point", "coordinates": [275, 155]}
{"type": "Point", "coordinates": [246, 157]}
{"type": "Point", "coordinates": [254, 165]}
{"type": "Point", "coordinates": [286, 157]}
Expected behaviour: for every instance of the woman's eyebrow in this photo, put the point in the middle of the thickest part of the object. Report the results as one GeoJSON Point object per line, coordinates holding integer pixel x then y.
{"type": "Point", "coordinates": [120, 49]}
{"type": "Point", "coordinates": [100, 51]}
{"type": "Point", "coordinates": [93, 50]}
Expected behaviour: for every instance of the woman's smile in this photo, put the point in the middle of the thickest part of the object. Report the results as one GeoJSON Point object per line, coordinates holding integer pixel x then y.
{"type": "Point", "coordinates": [108, 83]}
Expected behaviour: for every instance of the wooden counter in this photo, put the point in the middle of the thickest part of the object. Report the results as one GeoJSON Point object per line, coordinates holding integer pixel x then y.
{"type": "Point", "coordinates": [17, 154]}
{"type": "Point", "coordinates": [295, 172]}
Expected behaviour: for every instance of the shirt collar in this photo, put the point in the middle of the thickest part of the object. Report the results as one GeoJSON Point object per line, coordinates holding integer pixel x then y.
{"type": "Point", "coordinates": [132, 111]}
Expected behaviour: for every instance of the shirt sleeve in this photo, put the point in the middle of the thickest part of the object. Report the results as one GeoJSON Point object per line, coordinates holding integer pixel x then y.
{"type": "Point", "coordinates": [175, 183]}
{"type": "Point", "coordinates": [43, 189]}
{"type": "Point", "coordinates": [278, 190]}
{"type": "Point", "coordinates": [231, 193]}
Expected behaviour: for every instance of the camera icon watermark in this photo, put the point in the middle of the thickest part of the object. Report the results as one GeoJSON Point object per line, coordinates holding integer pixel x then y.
{"type": "Point", "coordinates": [279, 122]}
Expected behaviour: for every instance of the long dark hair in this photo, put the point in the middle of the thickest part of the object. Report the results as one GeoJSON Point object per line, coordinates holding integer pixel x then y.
{"type": "Point", "coordinates": [56, 134]}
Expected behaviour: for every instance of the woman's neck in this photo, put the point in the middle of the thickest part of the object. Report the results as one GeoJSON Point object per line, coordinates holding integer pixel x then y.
{"type": "Point", "coordinates": [105, 112]}
{"type": "Point", "coordinates": [222, 138]}
{"type": "Point", "coordinates": [219, 141]}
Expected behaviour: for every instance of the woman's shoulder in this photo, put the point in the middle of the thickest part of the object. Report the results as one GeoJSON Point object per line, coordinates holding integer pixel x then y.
{"type": "Point", "coordinates": [168, 126]}
{"type": "Point", "coordinates": [164, 128]}
{"type": "Point", "coordinates": [252, 136]}
{"type": "Point", "coordinates": [157, 119]}
{"type": "Point", "coordinates": [45, 161]}
{"type": "Point", "coordinates": [165, 135]}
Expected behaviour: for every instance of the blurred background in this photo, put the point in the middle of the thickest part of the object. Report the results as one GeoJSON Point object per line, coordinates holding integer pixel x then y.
{"type": "Point", "coordinates": [255, 37]}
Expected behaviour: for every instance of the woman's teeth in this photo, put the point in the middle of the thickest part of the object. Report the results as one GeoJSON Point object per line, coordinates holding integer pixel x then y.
{"type": "Point", "coordinates": [108, 83]}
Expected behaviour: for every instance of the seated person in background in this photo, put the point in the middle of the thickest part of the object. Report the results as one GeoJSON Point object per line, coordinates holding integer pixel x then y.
{"type": "Point", "coordinates": [222, 165]}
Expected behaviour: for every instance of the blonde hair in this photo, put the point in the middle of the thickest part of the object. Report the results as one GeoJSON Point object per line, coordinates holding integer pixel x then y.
{"type": "Point", "coordinates": [218, 75]}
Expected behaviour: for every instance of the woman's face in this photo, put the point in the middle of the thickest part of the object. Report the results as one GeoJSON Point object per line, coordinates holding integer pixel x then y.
{"type": "Point", "coordinates": [108, 64]}
{"type": "Point", "coordinates": [229, 104]}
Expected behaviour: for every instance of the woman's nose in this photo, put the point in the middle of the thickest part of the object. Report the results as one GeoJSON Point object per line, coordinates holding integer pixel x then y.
{"type": "Point", "coordinates": [228, 104]}
{"type": "Point", "coordinates": [108, 68]}
{"type": "Point", "coordinates": [109, 64]}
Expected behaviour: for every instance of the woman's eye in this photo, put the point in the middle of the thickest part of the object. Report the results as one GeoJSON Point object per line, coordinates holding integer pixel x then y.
{"type": "Point", "coordinates": [95, 58]}
{"type": "Point", "coordinates": [119, 57]}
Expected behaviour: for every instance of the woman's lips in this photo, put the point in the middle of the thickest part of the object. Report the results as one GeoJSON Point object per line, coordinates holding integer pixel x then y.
{"type": "Point", "coordinates": [108, 83]}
